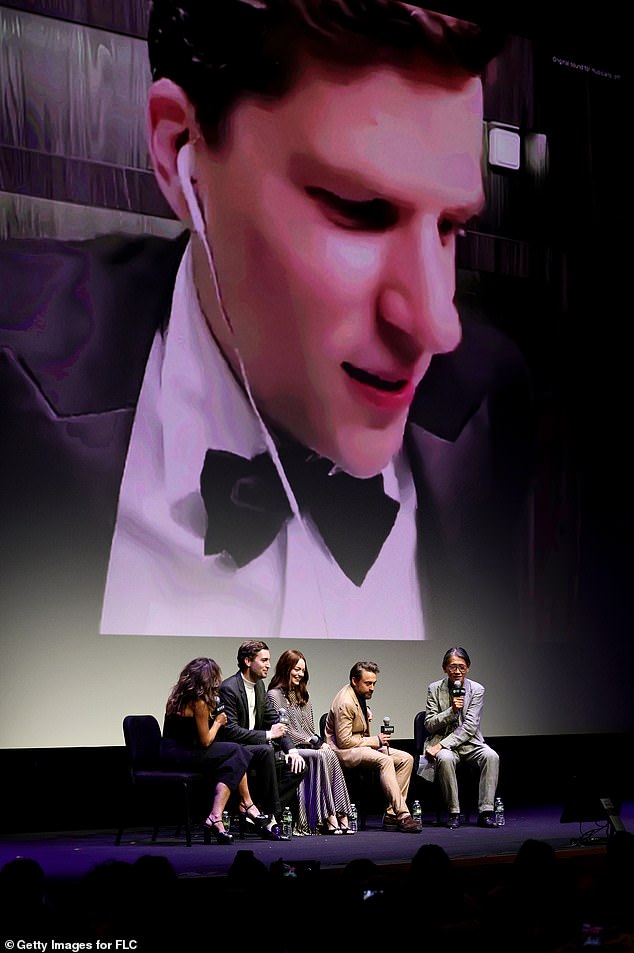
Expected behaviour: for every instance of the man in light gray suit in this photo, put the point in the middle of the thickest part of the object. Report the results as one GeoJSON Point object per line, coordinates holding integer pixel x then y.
{"type": "Point", "coordinates": [452, 719]}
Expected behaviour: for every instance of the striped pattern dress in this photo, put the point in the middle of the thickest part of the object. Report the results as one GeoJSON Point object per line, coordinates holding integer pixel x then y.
{"type": "Point", "coordinates": [323, 791]}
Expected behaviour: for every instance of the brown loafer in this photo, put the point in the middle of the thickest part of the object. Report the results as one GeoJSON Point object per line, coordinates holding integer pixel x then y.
{"type": "Point", "coordinates": [407, 825]}
{"type": "Point", "coordinates": [389, 822]}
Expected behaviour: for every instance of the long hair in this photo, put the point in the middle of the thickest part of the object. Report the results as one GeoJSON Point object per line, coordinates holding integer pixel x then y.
{"type": "Point", "coordinates": [282, 678]}
{"type": "Point", "coordinates": [199, 681]}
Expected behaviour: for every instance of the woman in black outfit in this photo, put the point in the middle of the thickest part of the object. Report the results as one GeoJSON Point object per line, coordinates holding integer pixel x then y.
{"type": "Point", "coordinates": [189, 732]}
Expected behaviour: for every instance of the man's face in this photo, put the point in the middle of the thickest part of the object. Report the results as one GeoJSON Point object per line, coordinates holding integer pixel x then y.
{"type": "Point", "coordinates": [456, 669]}
{"type": "Point", "coordinates": [258, 666]}
{"type": "Point", "coordinates": [333, 216]}
{"type": "Point", "coordinates": [364, 685]}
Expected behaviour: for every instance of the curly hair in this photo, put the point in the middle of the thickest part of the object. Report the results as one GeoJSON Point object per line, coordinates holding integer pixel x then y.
{"type": "Point", "coordinates": [282, 678]}
{"type": "Point", "coordinates": [218, 51]}
{"type": "Point", "coordinates": [199, 681]}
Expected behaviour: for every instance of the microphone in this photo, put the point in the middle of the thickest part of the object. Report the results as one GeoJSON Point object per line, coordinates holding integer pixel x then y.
{"type": "Point", "coordinates": [387, 729]}
{"type": "Point", "coordinates": [282, 717]}
{"type": "Point", "coordinates": [457, 689]}
{"type": "Point", "coordinates": [219, 706]}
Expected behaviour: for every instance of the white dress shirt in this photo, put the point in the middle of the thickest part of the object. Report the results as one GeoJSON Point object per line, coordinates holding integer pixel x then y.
{"type": "Point", "coordinates": [159, 580]}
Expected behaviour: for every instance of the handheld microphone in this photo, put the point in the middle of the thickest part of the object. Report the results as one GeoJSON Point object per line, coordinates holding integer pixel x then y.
{"type": "Point", "coordinates": [282, 717]}
{"type": "Point", "coordinates": [457, 689]}
{"type": "Point", "coordinates": [387, 729]}
{"type": "Point", "coordinates": [219, 706]}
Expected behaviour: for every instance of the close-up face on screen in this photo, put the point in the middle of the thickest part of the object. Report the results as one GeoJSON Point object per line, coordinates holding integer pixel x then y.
{"type": "Point", "coordinates": [311, 336]}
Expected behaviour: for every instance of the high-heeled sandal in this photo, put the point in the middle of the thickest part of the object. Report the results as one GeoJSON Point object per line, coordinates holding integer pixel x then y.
{"type": "Point", "coordinates": [327, 827]}
{"type": "Point", "coordinates": [247, 824]}
{"type": "Point", "coordinates": [344, 829]}
{"type": "Point", "coordinates": [260, 818]}
{"type": "Point", "coordinates": [213, 828]}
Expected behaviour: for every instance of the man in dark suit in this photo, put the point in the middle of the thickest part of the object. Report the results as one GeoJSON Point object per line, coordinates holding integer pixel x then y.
{"type": "Point", "coordinates": [308, 325]}
{"type": "Point", "coordinates": [253, 721]}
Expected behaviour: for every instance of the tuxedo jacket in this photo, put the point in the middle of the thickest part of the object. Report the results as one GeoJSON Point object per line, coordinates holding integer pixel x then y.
{"type": "Point", "coordinates": [234, 696]}
{"type": "Point", "coordinates": [76, 324]}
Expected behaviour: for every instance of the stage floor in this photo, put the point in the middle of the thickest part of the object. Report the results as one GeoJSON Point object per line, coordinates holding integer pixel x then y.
{"type": "Point", "coordinates": [70, 855]}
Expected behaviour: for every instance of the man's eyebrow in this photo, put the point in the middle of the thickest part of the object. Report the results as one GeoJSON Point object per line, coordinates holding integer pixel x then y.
{"type": "Point", "coordinates": [351, 181]}
{"type": "Point", "coordinates": [354, 186]}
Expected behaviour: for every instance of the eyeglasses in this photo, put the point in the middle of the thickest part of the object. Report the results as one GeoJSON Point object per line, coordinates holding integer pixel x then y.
{"type": "Point", "coordinates": [456, 668]}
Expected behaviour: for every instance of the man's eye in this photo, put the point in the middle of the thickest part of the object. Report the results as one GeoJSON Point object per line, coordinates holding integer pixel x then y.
{"type": "Point", "coordinates": [371, 215]}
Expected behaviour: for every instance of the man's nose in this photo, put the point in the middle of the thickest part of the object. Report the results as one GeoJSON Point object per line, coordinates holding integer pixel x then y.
{"type": "Point", "coordinates": [416, 306]}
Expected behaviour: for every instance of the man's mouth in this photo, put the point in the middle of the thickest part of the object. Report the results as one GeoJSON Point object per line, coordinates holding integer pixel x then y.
{"type": "Point", "coordinates": [373, 380]}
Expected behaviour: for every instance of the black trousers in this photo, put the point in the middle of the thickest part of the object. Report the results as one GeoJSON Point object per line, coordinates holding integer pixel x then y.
{"type": "Point", "coordinates": [272, 785]}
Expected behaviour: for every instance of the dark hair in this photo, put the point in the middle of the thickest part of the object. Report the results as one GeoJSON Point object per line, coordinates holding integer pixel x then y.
{"type": "Point", "coordinates": [198, 681]}
{"type": "Point", "coordinates": [282, 678]}
{"type": "Point", "coordinates": [218, 51]}
{"type": "Point", "coordinates": [249, 649]}
{"type": "Point", "coordinates": [459, 652]}
{"type": "Point", "coordinates": [358, 667]}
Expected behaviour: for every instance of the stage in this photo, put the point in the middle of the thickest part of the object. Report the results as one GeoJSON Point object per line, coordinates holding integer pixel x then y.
{"type": "Point", "coordinates": [163, 897]}
{"type": "Point", "coordinates": [70, 855]}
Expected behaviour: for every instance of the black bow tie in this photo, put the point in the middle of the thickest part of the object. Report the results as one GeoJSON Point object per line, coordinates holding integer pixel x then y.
{"type": "Point", "coordinates": [247, 506]}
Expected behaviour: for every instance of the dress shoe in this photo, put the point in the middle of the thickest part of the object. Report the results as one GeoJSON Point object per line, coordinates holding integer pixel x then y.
{"type": "Point", "coordinates": [390, 822]}
{"type": "Point", "coordinates": [486, 819]}
{"type": "Point", "coordinates": [407, 825]}
{"type": "Point", "coordinates": [453, 821]}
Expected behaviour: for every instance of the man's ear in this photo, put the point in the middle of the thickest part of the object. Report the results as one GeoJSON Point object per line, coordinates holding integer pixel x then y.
{"type": "Point", "coordinates": [171, 122]}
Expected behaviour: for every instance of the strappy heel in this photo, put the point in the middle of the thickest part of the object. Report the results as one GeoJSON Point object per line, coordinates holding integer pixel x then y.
{"type": "Point", "coordinates": [327, 827]}
{"type": "Point", "coordinates": [216, 829]}
{"type": "Point", "coordinates": [257, 824]}
{"type": "Point", "coordinates": [244, 809]}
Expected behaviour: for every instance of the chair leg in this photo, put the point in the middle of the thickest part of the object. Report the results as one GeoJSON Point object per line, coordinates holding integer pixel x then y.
{"type": "Point", "coordinates": [188, 815]}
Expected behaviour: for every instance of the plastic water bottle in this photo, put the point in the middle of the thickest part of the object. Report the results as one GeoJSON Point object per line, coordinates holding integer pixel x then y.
{"type": "Point", "coordinates": [416, 811]}
{"type": "Point", "coordinates": [499, 812]}
{"type": "Point", "coordinates": [353, 823]}
{"type": "Point", "coordinates": [226, 820]}
{"type": "Point", "coordinates": [287, 823]}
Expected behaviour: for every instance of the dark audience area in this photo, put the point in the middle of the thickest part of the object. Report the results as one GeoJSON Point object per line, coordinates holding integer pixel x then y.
{"type": "Point", "coordinates": [539, 901]}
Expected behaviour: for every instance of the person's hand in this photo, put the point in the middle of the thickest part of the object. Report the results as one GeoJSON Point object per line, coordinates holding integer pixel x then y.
{"type": "Point", "coordinates": [221, 719]}
{"type": "Point", "coordinates": [369, 714]}
{"type": "Point", "coordinates": [457, 703]}
{"type": "Point", "coordinates": [432, 751]}
{"type": "Point", "coordinates": [295, 761]}
{"type": "Point", "coordinates": [278, 730]}
{"type": "Point", "coordinates": [383, 738]}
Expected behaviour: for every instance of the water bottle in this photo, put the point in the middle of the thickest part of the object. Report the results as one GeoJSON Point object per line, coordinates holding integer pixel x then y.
{"type": "Point", "coordinates": [226, 820]}
{"type": "Point", "coordinates": [352, 818]}
{"type": "Point", "coordinates": [499, 812]}
{"type": "Point", "coordinates": [416, 811]}
{"type": "Point", "coordinates": [287, 823]}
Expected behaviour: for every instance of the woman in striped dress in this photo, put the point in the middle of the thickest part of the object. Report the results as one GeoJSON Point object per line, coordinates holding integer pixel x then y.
{"type": "Point", "coordinates": [324, 803]}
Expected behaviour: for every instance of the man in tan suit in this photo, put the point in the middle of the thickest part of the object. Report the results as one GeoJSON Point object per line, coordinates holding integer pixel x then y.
{"type": "Point", "coordinates": [348, 733]}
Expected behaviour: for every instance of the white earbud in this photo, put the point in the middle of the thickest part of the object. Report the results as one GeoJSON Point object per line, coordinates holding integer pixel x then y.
{"type": "Point", "coordinates": [185, 168]}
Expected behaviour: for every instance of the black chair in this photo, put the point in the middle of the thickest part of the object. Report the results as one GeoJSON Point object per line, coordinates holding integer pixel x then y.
{"type": "Point", "coordinates": [361, 784]}
{"type": "Point", "coordinates": [142, 736]}
{"type": "Point", "coordinates": [467, 774]}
